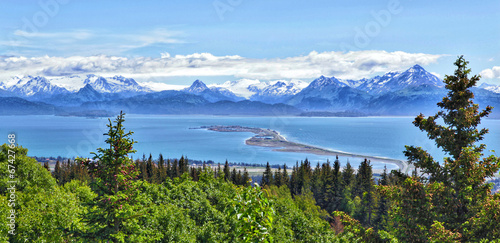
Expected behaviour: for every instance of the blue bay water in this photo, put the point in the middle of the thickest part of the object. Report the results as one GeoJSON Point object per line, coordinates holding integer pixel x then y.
{"type": "Point", "coordinates": [172, 136]}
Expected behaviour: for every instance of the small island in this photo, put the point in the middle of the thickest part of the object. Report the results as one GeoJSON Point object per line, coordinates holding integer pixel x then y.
{"type": "Point", "coordinates": [269, 138]}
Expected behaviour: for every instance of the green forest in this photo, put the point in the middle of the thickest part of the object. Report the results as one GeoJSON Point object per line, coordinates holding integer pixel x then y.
{"type": "Point", "coordinates": [108, 197]}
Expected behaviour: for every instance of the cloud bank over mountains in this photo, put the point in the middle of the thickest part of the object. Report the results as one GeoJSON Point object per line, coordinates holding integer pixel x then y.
{"type": "Point", "coordinates": [350, 65]}
{"type": "Point", "coordinates": [491, 73]}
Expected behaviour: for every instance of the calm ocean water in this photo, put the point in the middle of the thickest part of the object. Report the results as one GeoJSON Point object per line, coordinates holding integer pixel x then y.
{"type": "Point", "coordinates": [171, 136]}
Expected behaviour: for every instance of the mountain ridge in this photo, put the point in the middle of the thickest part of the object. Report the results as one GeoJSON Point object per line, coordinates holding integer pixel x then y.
{"type": "Point", "coordinates": [394, 93]}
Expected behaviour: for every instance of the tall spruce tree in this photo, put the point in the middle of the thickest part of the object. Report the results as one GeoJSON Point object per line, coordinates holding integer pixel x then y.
{"type": "Point", "coordinates": [267, 176]}
{"type": "Point", "coordinates": [227, 172]}
{"type": "Point", "coordinates": [110, 216]}
{"type": "Point", "coordinates": [233, 176]}
{"type": "Point", "coordinates": [325, 190]}
{"type": "Point", "coordinates": [151, 170]}
{"type": "Point", "coordinates": [58, 173]}
{"type": "Point", "coordinates": [455, 190]}
{"type": "Point", "coordinates": [364, 189]}
{"type": "Point", "coordinates": [285, 177]}
{"type": "Point", "coordinates": [337, 185]}
{"type": "Point", "coordinates": [246, 177]}
{"type": "Point", "coordinates": [162, 170]}
{"type": "Point", "coordinates": [380, 220]}
{"type": "Point", "coordinates": [277, 177]}
{"type": "Point", "coordinates": [175, 171]}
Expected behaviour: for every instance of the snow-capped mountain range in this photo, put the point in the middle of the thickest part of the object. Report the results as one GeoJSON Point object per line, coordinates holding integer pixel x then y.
{"type": "Point", "coordinates": [212, 94]}
{"type": "Point", "coordinates": [33, 86]}
{"type": "Point", "coordinates": [490, 87]}
{"type": "Point", "coordinates": [37, 86]}
{"type": "Point", "coordinates": [410, 89]}
{"type": "Point", "coordinates": [246, 88]}
{"type": "Point", "coordinates": [393, 81]}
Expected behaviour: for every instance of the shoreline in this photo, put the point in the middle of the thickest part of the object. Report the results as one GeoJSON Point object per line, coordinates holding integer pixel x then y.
{"type": "Point", "coordinates": [273, 139]}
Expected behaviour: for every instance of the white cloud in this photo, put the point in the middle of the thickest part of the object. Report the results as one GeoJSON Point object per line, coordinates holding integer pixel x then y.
{"type": "Point", "coordinates": [491, 73]}
{"type": "Point", "coordinates": [351, 65]}
{"type": "Point", "coordinates": [77, 34]}
{"type": "Point", "coordinates": [86, 42]}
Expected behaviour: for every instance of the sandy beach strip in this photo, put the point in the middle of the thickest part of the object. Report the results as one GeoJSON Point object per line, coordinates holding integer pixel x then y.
{"type": "Point", "coordinates": [272, 139]}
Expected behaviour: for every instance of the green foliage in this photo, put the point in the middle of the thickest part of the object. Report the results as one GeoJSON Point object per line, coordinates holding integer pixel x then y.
{"type": "Point", "coordinates": [44, 214]}
{"type": "Point", "coordinates": [439, 234]}
{"type": "Point", "coordinates": [28, 172]}
{"type": "Point", "coordinates": [254, 215]}
{"type": "Point", "coordinates": [350, 230]}
{"type": "Point", "coordinates": [410, 214]}
{"type": "Point", "coordinates": [297, 220]}
{"type": "Point", "coordinates": [486, 223]}
{"type": "Point", "coordinates": [82, 191]}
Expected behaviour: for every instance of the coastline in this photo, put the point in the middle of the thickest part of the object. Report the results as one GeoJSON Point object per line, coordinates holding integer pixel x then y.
{"type": "Point", "coordinates": [273, 139]}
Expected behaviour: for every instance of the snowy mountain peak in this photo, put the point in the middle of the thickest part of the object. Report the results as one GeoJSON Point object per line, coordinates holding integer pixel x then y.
{"type": "Point", "coordinates": [417, 75]}
{"type": "Point", "coordinates": [114, 84]}
{"type": "Point", "coordinates": [416, 68]}
{"type": "Point", "coordinates": [125, 81]}
{"type": "Point", "coordinates": [490, 87]}
{"type": "Point", "coordinates": [30, 86]}
{"type": "Point", "coordinates": [197, 87]}
{"type": "Point", "coordinates": [393, 81]}
{"type": "Point", "coordinates": [87, 88]}
{"type": "Point", "coordinates": [324, 81]}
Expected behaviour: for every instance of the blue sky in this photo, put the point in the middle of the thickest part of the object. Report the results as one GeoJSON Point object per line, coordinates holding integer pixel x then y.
{"type": "Point", "coordinates": [247, 38]}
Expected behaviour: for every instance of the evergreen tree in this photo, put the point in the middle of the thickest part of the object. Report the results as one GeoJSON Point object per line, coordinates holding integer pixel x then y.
{"type": "Point", "coordinates": [58, 173]}
{"type": "Point", "coordinates": [239, 178]}
{"type": "Point", "coordinates": [293, 180]}
{"type": "Point", "coordinates": [169, 168]}
{"type": "Point", "coordinates": [380, 221]}
{"type": "Point", "coordinates": [246, 177]}
{"type": "Point", "coordinates": [348, 175]}
{"type": "Point", "coordinates": [337, 186]}
{"type": "Point", "coordinates": [175, 169]}
{"type": "Point", "coordinates": [143, 168]}
{"type": "Point", "coordinates": [285, 178]}
{"type": "Point", "coordinates": [455, 189]}
{"type": "Point", "coordinates": [364, 189]}
{"type": "Point", "coordinates": [227, 172]}
{"type": "Point", "coordinates": [69, 171]}
{"type": "Point", "coordinates": [304, 175]}
{"type": "Point", "coordinates": [186, 164]}
{"type": "Point", "coordinates": [277, 177]}
{"type": "Point", "coordinates": [182, 166]}
{"type": "Point", "coordinates": [267, 176]}
{"type": "Point", "coordinates": [318, 183]}
{"type": "Point", "coordinates": [111, 215]}
{"type": "Point", "coordinates": [193, 173]}
{"type": "Point", "coordinates": [46, 166]}
{"type": "Point", "coordinates": [151, 170]}
{"type": "Point", "coordinates": [233, 177]}
{"type": "Point", "coordinates": [162, 170]}
{"type": "Point", "coordinates": [325, 192]}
